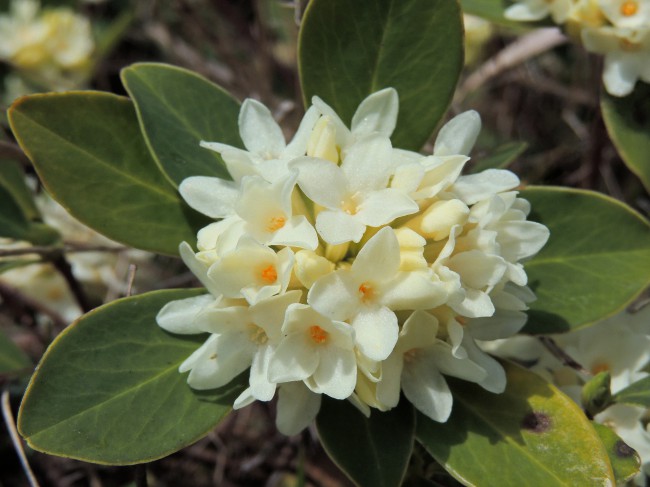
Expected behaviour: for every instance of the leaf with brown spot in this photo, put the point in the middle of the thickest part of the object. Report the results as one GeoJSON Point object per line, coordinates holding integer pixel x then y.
{"type": "Point", "coordinates": [531, 434]}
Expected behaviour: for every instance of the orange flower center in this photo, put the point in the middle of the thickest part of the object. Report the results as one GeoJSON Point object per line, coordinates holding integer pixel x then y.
{"type": "Point", "coordinates": [269, 274]}
{"type": "Point", "coordinates": [276, 223]}
{"type": "Point", "coordinates": [599, 367]}
{"type": "Point", "coordinates": [317, 334]}
{"type": "Point", "coordinates": [366, 292]}
{"type": "Point", "coordinates": [629, 8]}
{"type": "Point", "coordinates": [410, 355]}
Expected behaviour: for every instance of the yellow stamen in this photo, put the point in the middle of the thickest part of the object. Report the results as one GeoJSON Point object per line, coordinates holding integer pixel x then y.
{"type": "Point", "coordinates": [317, 334]}
{"type": "Point", "coordinates": [257, 334]}
{"type": "Point", "coordinates": [366, 292]}
{"type": "Point", "coordinates": [276, 223]}
{"type": "Point", "coordinates": [269, 274]}
{"type": "Point", "coordinates": [629, 8]}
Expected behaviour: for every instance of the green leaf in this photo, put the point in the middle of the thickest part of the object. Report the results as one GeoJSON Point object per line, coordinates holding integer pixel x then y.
{"type": "Point", "coordinates": [12, 179]}
{"type": "Point", "coordinates": [348, 50]}
{"type": "Point", "coordinates": [625, 461]}
{"type": "Point", "coordinates": [596, 394]}
{"type": "Point", "coordinates": [628, 122]}
{"type": "Point", "coordinates": [500, 157]}
{"type": "Point", "coordinates": [15, 225]}
{"type": "Point", "coordinates": [108, 389]}
{"type": "Point", "coordinates": [595, 263]}
{"type": "Point", "coordinates": [373, 452]}
{"type": "Point", "coordinates": [178, 109]}
{"type": "Point", "coordinates": [89, 152]}
{"type": "Point", "coordinates": [531, 434]}
{"type": "Point", "coordinates": [637, 393]}
{"type": "Point", "coordinates": [12, 359]}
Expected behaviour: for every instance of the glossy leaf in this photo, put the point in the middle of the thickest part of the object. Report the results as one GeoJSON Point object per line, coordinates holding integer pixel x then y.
{"type": "Point", "coordinates": [373, 452]}
{"type": "Point", "coordinates": [89, 152]}
{"type": "Point", "coordinates": [500, 157]}
{"type": "Point", "coordinates": [12, 179]}
{"type": "Point", "coordinates": [177, 109]}
{"type": "Point", "coordinates": [12, 359]}
{"type": "Point", "coordinates": [596, 261]}
{"type": "Point", "coordinates": [628, 122]}
{"type": "Point", "coordinates": [108, 389]}
{"type": "Point", "coordinates": [531, 434]}
{"type": "Point", "coordinates": [348, 50]}
{"type": "Point", "coordinates": [637, 393]}
{"type": "Point", "coordinates": [625, 461]}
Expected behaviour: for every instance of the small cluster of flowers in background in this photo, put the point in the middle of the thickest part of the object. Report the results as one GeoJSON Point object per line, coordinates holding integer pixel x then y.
{"type": "Point", "coordinates": [346, 267]}
{"type": "Point", "coordinates": [617, 29]}
{"type": "Point", "coordinates": [102, 272]}
{"type": "Point", "coordinates": [619, 345]}
{"type": "Point", "coordinates": [49, 50]}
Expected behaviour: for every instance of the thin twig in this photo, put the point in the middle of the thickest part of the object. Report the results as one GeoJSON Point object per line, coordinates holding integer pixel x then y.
{"type": "Point", "coordinates": [66, 249]}
{"type": "Point", "coordinates": [131, 278]}
{"type": "Point", "coordinates": [15, 439]}
{"type": "Point", "coordinates": [9, 294]}
{"type": "Point", "coordinates": [61, 264]}
{"type": "Point", "coordinates": [141, 475]}
{"type": "Point", "coordinates": [561, 355]}
{"type": "Point", "coordinates": [524, 48]}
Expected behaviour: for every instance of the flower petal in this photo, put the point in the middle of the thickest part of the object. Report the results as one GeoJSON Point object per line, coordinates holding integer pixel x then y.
{"type": "Point", "coordinates": [294, 359]}
{"type": "Point", "coordinates": [376, 332]}
{"type": "Point", "coordinates": [337, 227]}
{"type": "Point", "coordinates": [260, 133]}
{"type": "Point", "coordinates": [178, 316]}
{"type": "Point", "coordinates": [336, 374]}
{"type": "Point", "coordinates": [383, 206]}
{"type": "Point", "coordinates": [458, 135]}
{"type": "Point", "coordinates": [213, 197]}
{"type": "Point", "coordinates": [377, 113]}
{"type": "Point", "coordinates": [297, 407]}
{"type": "Point", "coordinates": [427, 389]}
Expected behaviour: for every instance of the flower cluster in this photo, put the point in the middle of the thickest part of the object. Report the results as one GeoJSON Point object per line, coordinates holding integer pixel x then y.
{"type": "Point", "coordinates": [343, 266]}
{"type": "Point", "coordinates": [618, 29]}
{"type": "Point", "coordinates": [51, 50]}
{"type": "Point", "coordinates": [619, 345]}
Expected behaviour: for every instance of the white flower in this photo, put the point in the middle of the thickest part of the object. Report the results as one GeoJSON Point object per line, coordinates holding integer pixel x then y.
{"type": "Point", "coordinates": [371, 290]}
{"type": "Point", "coordinates": [417, 364]}
{"type": "Point", "coordinates": [377, 114]}
{"type": "Point", "coordinates": [627, 56]}
{"type": "Point", "coordinates": [316, 350]}
{"type": "Point", "coordinates": [266, 152]}
{"type": "Point", "coordinates": [630, 14]}
{"type": "Point", "coordinates": [529, 10]}
{"type": "Point", "coordinates": [414, 262]}
{"type": "Point", "coordinates": [354, 195]}
{"type": "Point", "coordinates": [252, 271]}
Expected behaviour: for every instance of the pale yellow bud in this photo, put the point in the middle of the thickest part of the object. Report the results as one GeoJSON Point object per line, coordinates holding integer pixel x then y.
{"type": "Point", "coordinates": [310, 266]}
{"type": "Point", "coordinates": [437, 220]}
{"type": "Point", "coordinates": [411, 246]}
{"type": "Point", "coordinates": [322, 142]}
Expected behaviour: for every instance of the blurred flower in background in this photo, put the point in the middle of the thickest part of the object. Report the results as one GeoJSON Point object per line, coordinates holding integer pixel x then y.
{"type": "Point", "coordinates": [49, 49]}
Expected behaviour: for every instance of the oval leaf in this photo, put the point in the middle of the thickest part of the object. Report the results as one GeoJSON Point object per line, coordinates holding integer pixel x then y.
{"type": "Point", "coordinates": [625, 461]}
{"type": "Point", "coordinates": [89, 152]}
{"type": "Point", "coordinates": [178, 109]}
{"type": "Point", "coordinates": [596, 261]}
{"type": "Point", "coordinates": [531, 434]}
{"type": "Point", "coordinates": [14, 223]}
{"type": "Point", "coordinates": [628, 122]}
{"type": "Point", "coordinates": [108, 389]}
{"type": "Point", "coordinates": [12, 359]}
{"type": "Point", "coordinates": [637, 393]}
{"type": "Point", "coordinates": [348, 50]}
{"type": "Point", "coordinates": [374, 451]}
